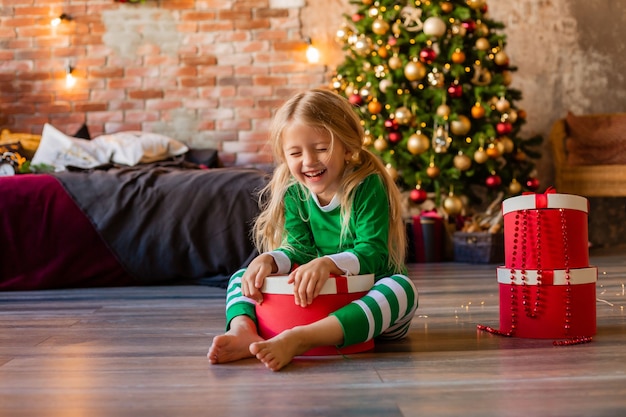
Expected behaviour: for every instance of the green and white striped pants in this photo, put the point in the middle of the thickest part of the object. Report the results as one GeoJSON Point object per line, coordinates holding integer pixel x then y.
{"type": "Point", "coordinates": [385, 312]}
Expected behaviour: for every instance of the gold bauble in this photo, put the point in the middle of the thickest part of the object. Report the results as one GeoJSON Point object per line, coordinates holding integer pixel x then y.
{"type": "Point", "coordinates": [461, 126]}
{"type": "Point", "coordinates": [393, 173]}
{"type": "Point", "coordinates": [481, 30]}
{"type": "Point", "coordinates": [482, 44]}
{"type": "Point", "coordinates": [363, 46]}
{"type": "Point", "coordinates": [383, 52]}
{"type": "Point", "coordinates": [512, 115]}
{"type": "Point", "coordinates": [395, 62]}
{"type": "Point", "coordinates": [380, 27]}
{"type": "Point", "coordinates": [414, 71]}
{"type": "Point", "coordinates": [507, 144]}
{"type": "Point", "coordinates": [384, 85]}
{"type": "Point", "coordinates": [380, 144]}
{"type": "Point", "coordinates": [507, 78]}
{"type": "Point", "coordinates": [396, 28]}
{"type": "Point", "coordinates": [443, 110]}
{"type": "Point", "coordinates": [501, 58]}
{"type": "Point", "coordinates": [452, 205]}
{"type": "Point", "coordinates": [462, 162]}
{"type": "Point", "coordinates": [418, 143]}
{"type": "Point", "coordinates": [433, 171]}
{"type": "Point", "coordinates": [480, 156]}
{"type": "Point", "coordinates": [493, 151]}
{"type": "Point", "coordinates": [367, 139]}
{"type": "Point", "coordinates": [515, 187]}
{"type": "Point", "coordinates": [476, 4]}
{"type": "Point", "coordinates": [434, 26]}
{"type": "Point", "coordinates": [503, 105]}
{"type": "Point", "coordinates": [403, 115]}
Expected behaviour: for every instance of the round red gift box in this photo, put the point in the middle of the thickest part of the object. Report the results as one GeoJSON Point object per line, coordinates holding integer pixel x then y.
{"type": "Point", "coordinates": [547, 319]}
{"type": "Point", "coordinates": [278, 312]}
{"type": "Point", "coordinates": [546, 231]}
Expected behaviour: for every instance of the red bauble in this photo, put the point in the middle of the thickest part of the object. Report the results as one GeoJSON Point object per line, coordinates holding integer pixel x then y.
{"type": "Point", "coordinates": [395, 137]}
{"type": "Point", "coordinates": [455, 91]}
{"type": "Point", "coordinates": [428, 55]}
{"type": "Point", "coordinates": [493, 181]}
{"type": "Point", "coordinates": [391, 125]}
{"type": "Point", "coordinates": [418, 196]}
{"type": "Point", "coordinates": [469, 25]}
{"type": "Point", "coordinates": [356, 99]}
{"type": "Point", "coordinates": [356, 17]}
{"type": "Point", "coordinates": [504, 128]}
{"type": "Point", "coordinates": [532, 183]}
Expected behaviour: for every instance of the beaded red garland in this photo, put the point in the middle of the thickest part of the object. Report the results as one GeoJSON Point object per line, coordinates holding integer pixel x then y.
{"type": "Point", "coordinates": [532, 309]}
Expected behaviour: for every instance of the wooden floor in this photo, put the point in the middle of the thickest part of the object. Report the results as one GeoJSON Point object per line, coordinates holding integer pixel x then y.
{"type": "Point", "coordinates": [141, 352]}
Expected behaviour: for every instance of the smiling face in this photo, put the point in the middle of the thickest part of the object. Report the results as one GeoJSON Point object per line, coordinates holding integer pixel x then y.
{"type": "Point", "coordinates": [314, 159]}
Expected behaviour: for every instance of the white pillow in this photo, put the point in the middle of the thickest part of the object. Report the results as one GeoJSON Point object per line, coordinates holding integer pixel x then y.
{"type": "Point", "coordinates": [131, 148]}
{"type": "Point", "coordinates": [59, 150]}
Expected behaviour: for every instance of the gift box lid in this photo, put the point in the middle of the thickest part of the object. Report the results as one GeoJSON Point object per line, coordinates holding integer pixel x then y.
{"type": "Point", "coordinates": [577, 276]}
{"type": "Point", "coordinates": [336, 284]}
{"type": "Point", "coordinates": [548, 200]}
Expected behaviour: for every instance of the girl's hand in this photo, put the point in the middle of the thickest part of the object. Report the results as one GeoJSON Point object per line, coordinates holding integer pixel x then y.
{"type": "Point", "coordinates": [254, 277]}
{"type": "Point", "coordinates": [308, 279]}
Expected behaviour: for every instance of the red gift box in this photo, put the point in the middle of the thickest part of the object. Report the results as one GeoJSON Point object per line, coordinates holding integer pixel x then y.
{"type": "Point", "coordinates": [278, 312]}
{"type": "Point", "coordinates": [551, 304]}
{"type": "Point", "coordinates": [546, 231]}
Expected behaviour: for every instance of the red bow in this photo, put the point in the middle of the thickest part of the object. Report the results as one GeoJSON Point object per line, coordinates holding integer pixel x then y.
{"type": "Point", "coordinates": [541, 200]}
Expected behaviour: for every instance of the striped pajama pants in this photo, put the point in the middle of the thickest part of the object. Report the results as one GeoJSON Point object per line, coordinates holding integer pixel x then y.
{"type": "Point", "coordinates": [385, 312]}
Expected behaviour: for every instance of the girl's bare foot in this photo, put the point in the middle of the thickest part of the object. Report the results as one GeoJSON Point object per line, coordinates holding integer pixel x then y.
{"type": "Point", "coordinates": [235, 343]}
{"type": "Point", "coordinates": [278, 351]}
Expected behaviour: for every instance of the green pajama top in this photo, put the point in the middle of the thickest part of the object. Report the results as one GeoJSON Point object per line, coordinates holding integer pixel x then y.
{"type": "Point", "coordinates": [313, 232]}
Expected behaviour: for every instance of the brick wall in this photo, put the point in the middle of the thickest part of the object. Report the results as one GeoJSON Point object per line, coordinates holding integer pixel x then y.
{"type": "Point", "coordinates": [207, 72]}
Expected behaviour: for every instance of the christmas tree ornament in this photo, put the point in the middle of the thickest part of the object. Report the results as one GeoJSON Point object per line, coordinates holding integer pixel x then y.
{"type": "Point", "coordinates": [383, 51]}
{"type": "Point", "coordinates": [403, 115]}
{"type": "Point", "coordinates": [482, 76]}
{"type": "Point", "coordinates": [395, 62]}
{"type": "Point", "coordinates": [501, 59]}
{"type": "Point", "coordinates": [391, 125]}
{"type": "Point", "coordinates": [469, 25]}
{"type": "Point", "coordinates": [504, 128]}
{"type": "Point", "coordinates": [367, 139]}
{"type": "Point", "coordinates": [356, 99]}
{"type": "Point", "coordinates": [482, 29]}
{"type": "Point", "coordinates": [461, 126]}
{"type": "Point", "coordinates": [507, 78]}
{"type": "Point", "coordinates": [412, 18]}
{"type": "Point", "coordinates": [434, 26]}
{"type": "Point", "coordinates": [458, 56]}
{"type": "Point", "coordinates": [396, 29]}
{"type": "Point", "coordinates": [393, 172]}
{"type": "Point", "coordinates": [418, 143]}
{"type": "Point", "coordinates": [482, 44]}
{"type": "Point", "coordinates": [443, 110]}
{"type": "Point", "coordinates": [457, 29]}
{"type": "Point", "coordinates": [492, 151]}
{"type": "Point", "coordinates": [477, 111]}
{"type": "Point", "coordinates": [532, 184]}
{"type": "Point", "coordinates": [507, 144]}
{"type": "Point", "coordinates": [515, 187]}
{"type": "Point", "coordinates": [395, 137]}
{"type": "Point", "coordinates": [441, 140]}
{"type": "Point", "coordinates": [384, 85]}
{"type": "Point", "coordinates": [427, 55]}
{"type": "Point", "coordinates": [462, 162]}
{"type": "Point", "coordinates": [418, 195]}
{"type": "Point", "coordinates": [380, 27]}
{"type": "Point", "coordinates": [357, 17]}
{"type": "Point", "coordinates": [435, 78]}
{"type": "Point", "coordinates": [480, 156]}
{"type": "Point", "coordinates": [476, 4]}
{"type": "Point", "coordinates": [446, 7]}
{"type": "Point", "coordinates": [374, 106]}
{"type": "Point", "coordinates": [380, 144]}
{"type": "Point", "coordinates": [373, 11]}
{"type": "Point", "coordinates": [512, 116]}
{"type": "Point", "coordinates": [433, 170]}
{"type": "Point", "coordinates": [455, 90]}
{"type": "Point", "coordinates": [363, 46]}
{"type": "Point", "coordinates": [367, 2]}
{"type": "Point", "coordinates": [503, 105]}
{"type": "Point", "coordinates": [452, 204]}
{"type": "Point", "coordinates": [493, 181]}
{"type": "Point", "coordinates": [414, 71]}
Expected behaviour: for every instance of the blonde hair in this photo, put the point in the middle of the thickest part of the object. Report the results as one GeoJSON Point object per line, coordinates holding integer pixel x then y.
{"type": "Point", "coordinates": [326, 110]}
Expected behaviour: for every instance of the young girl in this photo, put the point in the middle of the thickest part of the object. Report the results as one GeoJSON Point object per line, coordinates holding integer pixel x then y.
{"type": "Point", "coordinates": [330, 208]}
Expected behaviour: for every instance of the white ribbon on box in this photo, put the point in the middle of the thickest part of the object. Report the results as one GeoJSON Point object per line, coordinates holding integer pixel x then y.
{"type": "Point", "coordinates": [577, 276]}
{"type": "Point", "coordinates": [545, 201]}
{"type": "Point", "coordinates": [277, 284]}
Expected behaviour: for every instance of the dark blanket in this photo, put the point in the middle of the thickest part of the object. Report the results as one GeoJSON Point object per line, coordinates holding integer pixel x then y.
{"type": "Point", "coordinates": [165, 224]}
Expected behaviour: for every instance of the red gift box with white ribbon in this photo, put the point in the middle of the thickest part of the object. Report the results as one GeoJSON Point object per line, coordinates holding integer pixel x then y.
{"type": "Point", "coordinates": [548, 304]}
{"type": "Point", "coordinates": [546, 231]}
{"type": "Point", "coordinates": [278, 311]}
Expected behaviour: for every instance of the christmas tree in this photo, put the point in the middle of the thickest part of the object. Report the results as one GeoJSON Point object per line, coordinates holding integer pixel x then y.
{"type": "Point", "coordinates": [431, 82]}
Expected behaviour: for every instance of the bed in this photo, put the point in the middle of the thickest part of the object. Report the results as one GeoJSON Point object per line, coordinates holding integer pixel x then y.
{"type": "Point", "coordinates": [168, 222]}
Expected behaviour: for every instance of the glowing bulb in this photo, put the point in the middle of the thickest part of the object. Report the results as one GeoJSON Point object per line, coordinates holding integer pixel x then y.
{"type": "Point", "coordinates": [312, 54]}
{"type": "Point", "coordinates": [70, 80]}
{"type": "Point", "coordinates": [55, 22]}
